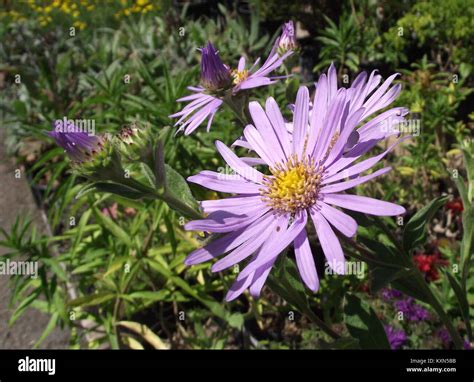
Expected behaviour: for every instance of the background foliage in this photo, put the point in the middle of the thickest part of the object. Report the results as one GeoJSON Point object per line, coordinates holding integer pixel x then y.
{"type": "Point", "coordinates": [111, 268]}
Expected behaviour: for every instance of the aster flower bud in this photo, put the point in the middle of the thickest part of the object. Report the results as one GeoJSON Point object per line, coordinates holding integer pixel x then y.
{"type": "Point", "coordinates": [135, 143]}
{"type": "Point", "coordinates": [214, 74]}
{"type": "Point", "coordinates": [287, 40]}
{"type": "Point", "coordinates": [93, 156]}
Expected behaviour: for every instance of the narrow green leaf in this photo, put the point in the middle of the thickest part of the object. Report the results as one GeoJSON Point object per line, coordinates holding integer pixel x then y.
{"type": "Point", "coordinates": [92, 299]}
{"type": "Point", "coordinates": [462, 301]}
{"type": "Point", "coordinates": [113, 228]}
{"type": "Point", "coordinates": [414, 232]}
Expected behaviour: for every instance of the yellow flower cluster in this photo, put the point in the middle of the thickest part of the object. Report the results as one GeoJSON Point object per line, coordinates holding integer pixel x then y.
{"type": "Point", "coordinates": [137, 6]}
{"type": "Point", "coordinates": [44, 11]}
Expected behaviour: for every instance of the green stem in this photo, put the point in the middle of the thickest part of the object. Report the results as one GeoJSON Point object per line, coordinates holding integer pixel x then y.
{"type": "Point", "coordinates": [166, 197]}
{"type": "Point", "coordinates": [180, 206]}
{"type": "Point", "coordinates": [365, 254]}
{"type": "Point", "coordinates": [239, 111]}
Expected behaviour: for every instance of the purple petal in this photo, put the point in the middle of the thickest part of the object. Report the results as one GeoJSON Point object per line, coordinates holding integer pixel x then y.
{"type": "Point", "coordinates": [331, 123]}
{"type": "Point", "coordinates": [237, 165]}
{"type": "Point", "coordinates": [222, 221]}
{"type": "Point", "coordinates": [300, 121]}
{"type": "Point", "coordinates": [341, 221]}
{"type": "Point", "coordinates": [259, 145]}
{"type": "Point", "coordinates": [227, 242]}
{"type": "Point", "coordinates": [238, 287]}
{"type": "Point", "coordinates": [305, 261]}
{"type": "Point", "coordinates": [362, 166]}
{"type": "Point", "coordinates": [283, 238]}
{"type": "Point", "coordinates": [278, 123]}
{"type": "Point", "coordinates": [318, 112]}
{"type": "Point", "coordinates": [338, 187]}
{"type": "Point", "coordinates": [232, 204]}
{"type": "Point", "coordinates": [329, 243]}
{"type": "Point", "coordinates": [246, 249]}
{"type": "Point", "coordinates": [364, 204]}
{"type": "Point", "coordinates": [265, 128]}
{"type": "Point", "coordinates": [224, 183]}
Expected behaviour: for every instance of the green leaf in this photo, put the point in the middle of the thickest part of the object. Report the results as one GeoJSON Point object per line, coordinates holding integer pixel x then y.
{"type": "Point", "coordinates": [150, 296]}
{"type": "Point", "coordinates": [408, 286]}
{"type": "Point", "coordinates": [49, 328]}
{"type": "Point", "coordinates": [92, 299]}
{"type": "Point", "coordinates": [462, 301]}
{"type": "Point", "coordinates": [113, 228]}
{"type": "Point", "coordinates": [285, 282]}
{"type": "Point", "coordinates": [178, 188]}
{"type": "Point", "coordinates": [364, 325]}
{"type": "Point", "coordinates": [149, 176]}
{"type": "Point", "coordinates": [414, 232]}
{"type": "Point", "coordinates": [118, 189]}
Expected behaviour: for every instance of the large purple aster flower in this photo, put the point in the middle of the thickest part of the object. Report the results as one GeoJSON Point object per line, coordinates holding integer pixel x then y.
{"type": "Point", "coordinates": [307, 180]}
{"type": "Point", "coordinates": [219, 81]}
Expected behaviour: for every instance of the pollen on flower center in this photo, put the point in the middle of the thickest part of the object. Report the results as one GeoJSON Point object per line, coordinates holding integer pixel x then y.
{"type": "Point", "coordinates": [239, 75]}
{"type": "Point", "coordinates": [293, 186]}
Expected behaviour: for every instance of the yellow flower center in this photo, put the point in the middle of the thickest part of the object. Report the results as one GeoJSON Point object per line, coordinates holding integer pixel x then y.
{"type": "Point", "coordinates": [239, 76]}
{"type": "Point", "coordinates": [292, 186]}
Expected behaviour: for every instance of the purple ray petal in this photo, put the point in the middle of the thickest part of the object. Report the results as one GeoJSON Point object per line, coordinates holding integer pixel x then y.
{"type": "Point", "coordinates": [259, 145]}
{"type": "Point", "coordinates": [338, 187]}
{"type": "Point", "coordinates": [237, 165]}
{"type": "Point", "coordinates": [228, 242]}
{"type": "Point", "coordinates": [224, 183]}
{"type": "Point", "coordinates": [329, 242]}
{"type": "Point", "coordinates": [246, 249]}
{"type": "Point", "coordinates": [364, 204]}
{"type": "Point", "coordinates": [278, 123]}
{"type": "Point", "coordinates": [222, 221]}
{"type": "Point", "coordinates": [300, 121]}
{"type": "Point", "coordinates": [283, 238]}
{"type": "Point", "coordinates": [341, 221]}
{"type": "Point", "coordinates": [305, 261]}
{"type": "Point", "coordinates": [265, 128]}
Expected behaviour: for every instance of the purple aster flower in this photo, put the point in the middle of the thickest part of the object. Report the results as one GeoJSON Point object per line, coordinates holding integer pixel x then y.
{"type": "Point", "coordinates": [217, 81]}
{"type": "Point", "coordinates": [411, 310]}
{"type": "Point", "coordinates": [77, 144]}
{"type": "Point", "coordinates": [306, 180]}
{"type": "Point", "coordinates": [287, 40]}
{"type": "Point", "coordinates": [396, 337]}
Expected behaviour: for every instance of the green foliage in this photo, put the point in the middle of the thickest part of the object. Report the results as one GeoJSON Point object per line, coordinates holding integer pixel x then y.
{"type": "Point", "coordinates": [114, 274]}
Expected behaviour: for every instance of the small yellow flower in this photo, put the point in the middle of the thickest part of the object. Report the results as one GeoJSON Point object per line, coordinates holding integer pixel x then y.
{"type": "Point", "coordinates": [79, 24]}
